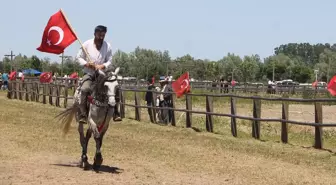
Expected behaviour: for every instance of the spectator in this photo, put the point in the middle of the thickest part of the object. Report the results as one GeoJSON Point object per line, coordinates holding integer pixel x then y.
{"type": "Point", "coordinates": [4, 81]}
{"type": "Point", "coordinates": [165, 100]}
{"type": "Point", "coordinates": [149, 99]}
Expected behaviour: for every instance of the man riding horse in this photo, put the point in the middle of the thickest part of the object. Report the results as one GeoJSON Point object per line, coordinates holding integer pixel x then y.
{"type": "Point", "coordinates": [100, 53]}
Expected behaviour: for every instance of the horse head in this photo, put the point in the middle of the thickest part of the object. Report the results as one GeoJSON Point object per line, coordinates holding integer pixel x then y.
{"type": "Point", "coordinates": [111, 83]}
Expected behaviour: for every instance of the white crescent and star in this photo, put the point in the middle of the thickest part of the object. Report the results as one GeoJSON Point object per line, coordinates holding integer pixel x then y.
{"type": "Point", "coordinates": [60, 32]}
{"type": "Point", "coordinates": [186, 82]}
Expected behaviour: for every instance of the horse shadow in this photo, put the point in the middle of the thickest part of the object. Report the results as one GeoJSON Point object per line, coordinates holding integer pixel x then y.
{"type": "Point", "coordinates": [103, 168]}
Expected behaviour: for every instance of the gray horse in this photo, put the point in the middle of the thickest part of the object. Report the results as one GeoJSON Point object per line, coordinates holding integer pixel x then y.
{"type": "Point", "coordinates": [101, 104]}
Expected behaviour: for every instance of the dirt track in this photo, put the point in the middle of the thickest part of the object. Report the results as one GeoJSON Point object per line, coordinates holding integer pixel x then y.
{"type": "Point", "coordinates": [33, 152]}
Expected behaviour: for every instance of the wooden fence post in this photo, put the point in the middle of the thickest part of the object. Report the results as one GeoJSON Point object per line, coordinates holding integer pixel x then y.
{"type": "Point", "coordinates": [26, 91]}
{"type": "Point", "coordinates": [66, 94]}
{"type": "Point", "coordinates": [123, 101]}
{"type": "Point", "coordinates": [58, 95]}
{"type": "Point", "coordinates": [37, 92]}
{"type": "Point", "coordinates": [256, 114]}
{"type": "Point", "coordinates": [137, 109]}
{"type": "Point", "coordinates": [31, 91]}
{"type": "Point", "coordinates": [44, 93]}
{"type": "Point", "coordinates": [173, 119]}
{"type": "Point", "coordinates": [233, 119]}
{"type": "Point", "coordinates": [318, 129]}
{"type": "Point", "coordinates": [209, 108]}
{"type": "Point", "coordinates": [20, 90]}
{"type": "Point", "coordinates": [188, 107]}
{"type": "Point", "coordinates": [50, 94]}
{"type": "Point", "coordinates": [284, 124]}
{"type": "Point", "coordinates": [122, 105]}
{"type": "Point", "coordinates": [16, 87]}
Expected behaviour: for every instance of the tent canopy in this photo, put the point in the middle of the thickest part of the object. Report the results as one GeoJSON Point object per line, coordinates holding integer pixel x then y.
{"type": "Point", "coordinates": [31, 71]}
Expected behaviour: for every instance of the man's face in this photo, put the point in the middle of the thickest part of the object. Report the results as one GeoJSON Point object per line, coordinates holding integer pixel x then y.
{"type": "Point", "coordinates": [100, 36]}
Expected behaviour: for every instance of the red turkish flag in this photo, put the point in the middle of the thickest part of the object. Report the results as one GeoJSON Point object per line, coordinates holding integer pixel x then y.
{"type": "Point", "coordinates": [153, 79]}
{"type": "Point", "coordinates": [181, 85]}
{"type": "Point", "coordinates": [74, 75]}
{"type": "Point", "coordinates": [46, 77]}
{"type": "Point", "coordinates": [12, 75]}
{"type": "Point", "coordinates": [314, 84]}
{"type": "Point", "coordinates": [57, 35]}
{"type": "Point", "coordinates": [332, 86]}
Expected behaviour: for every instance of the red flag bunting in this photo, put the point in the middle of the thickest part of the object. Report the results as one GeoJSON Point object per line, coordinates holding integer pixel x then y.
{"type": "Point", "coordinates": [74, 75]}
{"type": "Point", "coordinates": [332, 86]}
{"type": "Point", "coordinates": [46, 77]}
{"type": "Point", "coordinates": [181, 85]}
{"type": "Point", "coordinates": [12, 75]}
{"type": "Point", "coordinates": [153, 79]}
{"type": "Point", "coordinates": [315, 84]}
{"type": "Point", "coordinates": [57, 35]}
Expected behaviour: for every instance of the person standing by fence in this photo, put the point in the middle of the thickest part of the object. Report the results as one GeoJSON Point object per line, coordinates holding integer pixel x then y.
{"type": "Point", "coordinates": [4, 78]}
{"type": "Point", "coordinates": [165, 100]}
{"type": "Point", "coordinates": [149, 99]}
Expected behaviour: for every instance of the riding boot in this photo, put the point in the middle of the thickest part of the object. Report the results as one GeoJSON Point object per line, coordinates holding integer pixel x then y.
{"type": "Point", "coordinates": [83, 108]}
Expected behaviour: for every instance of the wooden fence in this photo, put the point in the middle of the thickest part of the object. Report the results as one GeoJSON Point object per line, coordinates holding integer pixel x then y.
{"type": "Point", "coordinates": [37, 92]}
{"type": "Point", "coordinates": [214, 87]}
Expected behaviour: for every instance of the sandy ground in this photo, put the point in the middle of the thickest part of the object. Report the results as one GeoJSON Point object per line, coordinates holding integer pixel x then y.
{"type": "Point", "coordinates": [33, 152]}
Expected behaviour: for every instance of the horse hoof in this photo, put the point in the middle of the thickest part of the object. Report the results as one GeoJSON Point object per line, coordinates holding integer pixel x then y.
{"type": "Point", "coordinates": [84, 162]}
{"type": "Point", "coordinates": [98, 160]}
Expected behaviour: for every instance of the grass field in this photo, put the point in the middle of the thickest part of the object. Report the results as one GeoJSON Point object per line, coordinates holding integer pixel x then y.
{"type": "Point", "coordinates": [270, 131]}
{"type": "Point", "coordinates": [34, 152]}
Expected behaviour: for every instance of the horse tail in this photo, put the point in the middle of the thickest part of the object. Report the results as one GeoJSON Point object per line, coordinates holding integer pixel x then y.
{"type": "Point", "coordinates": [67, 116]}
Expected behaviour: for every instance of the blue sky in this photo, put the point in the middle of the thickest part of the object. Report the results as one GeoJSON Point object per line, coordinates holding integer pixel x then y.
{"type": "Point", "coordinates": [205, 29]}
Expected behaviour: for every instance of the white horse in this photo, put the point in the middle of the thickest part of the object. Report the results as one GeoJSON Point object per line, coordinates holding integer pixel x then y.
{"type": "Point", "coordinates": [101, 105]}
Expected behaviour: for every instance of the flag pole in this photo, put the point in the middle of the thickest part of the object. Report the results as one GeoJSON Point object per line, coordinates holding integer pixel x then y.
{"type": "Point", "coordinates": [80, 42]}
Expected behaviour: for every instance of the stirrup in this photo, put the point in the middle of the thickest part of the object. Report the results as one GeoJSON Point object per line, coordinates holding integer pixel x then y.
{"type": "Point", "coordinates": [82, 120]}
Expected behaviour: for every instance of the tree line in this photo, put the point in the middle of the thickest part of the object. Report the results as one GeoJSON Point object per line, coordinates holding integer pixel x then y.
{"type": "Point", "coordinates": [296, 61]}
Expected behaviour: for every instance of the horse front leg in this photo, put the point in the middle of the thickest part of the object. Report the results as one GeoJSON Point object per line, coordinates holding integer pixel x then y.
{"type": "Point", "coordinates": [84, 143]}
{"type": "Point", "coordinates": [98, 159]}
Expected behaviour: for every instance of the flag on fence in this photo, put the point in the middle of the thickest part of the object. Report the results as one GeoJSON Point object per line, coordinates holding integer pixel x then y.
{"type": "Point", "coordinates": [74, 75]}
{"type": "Point", "coordinates": [12, 75]}
{"type": "Point", "coordinates": [332, 86]}
{"type": "Point", "coordinates": [181, 85]}
{"type": "Point", "coordinates": [153, 79]}
{"type": "Point", "coordinates": [314, 84]}
{"type": "Point", "coordinates": [57, 35]}
{"type": "Point", "coordinates": [46, 77]}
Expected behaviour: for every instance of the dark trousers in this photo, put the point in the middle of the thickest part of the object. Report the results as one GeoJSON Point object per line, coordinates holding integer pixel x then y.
{"type": "Point", "coordinates": [166, 115]}
{"type": "Point", "coordinates": [151, 114]}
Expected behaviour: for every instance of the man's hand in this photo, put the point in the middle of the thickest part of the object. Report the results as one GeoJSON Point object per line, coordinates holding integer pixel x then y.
{"type": "Point", "coordinates": [100, 67]}
{"type": "Point", "coordinates": [90, 65]}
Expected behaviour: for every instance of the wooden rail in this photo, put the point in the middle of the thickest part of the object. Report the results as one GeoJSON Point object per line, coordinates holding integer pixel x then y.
{"type": "Point", "coordinates": [58, 93]}
{"type": "Point", "coordinates": [215, 87]}
{"type": "Point", "coordinates": [255, 120]}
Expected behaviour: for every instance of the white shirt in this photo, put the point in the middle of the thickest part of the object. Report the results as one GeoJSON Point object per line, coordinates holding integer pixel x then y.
{"type": "Point", "coordinates": [20, 74]}
{"type": "Point", "coordinates": [103, 56]}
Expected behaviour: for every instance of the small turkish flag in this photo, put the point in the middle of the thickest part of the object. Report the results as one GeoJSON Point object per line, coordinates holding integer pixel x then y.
{"type": "Point", "coordinates": [12, 75]}
{"type": "Point", "coordinates": [314, 84]}
{"type": "Point", "coordinates": [181, 85]}
{"type": "Point", "coordinates": [46, 77]}
{"type": "Point", "coordinates": [332, 86]}
{"type": "Point", "coordinates": [153, 79]}
{"type": "Point", "coordinates": [57, 35]}
{"type": "Point", "coordinates": [74, 75]}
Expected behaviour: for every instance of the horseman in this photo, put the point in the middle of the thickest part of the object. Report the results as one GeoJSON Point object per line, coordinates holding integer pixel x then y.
{"type": "Point", "coordinates": [100, 53]}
